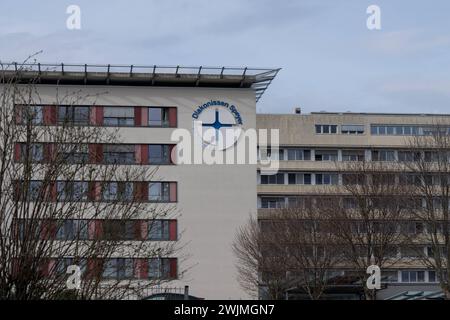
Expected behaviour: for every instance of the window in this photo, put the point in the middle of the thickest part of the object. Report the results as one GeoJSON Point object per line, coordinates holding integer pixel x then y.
{"type": "Point", "coordinates": [383, 155]}
{"type": "Point", "coordinates": [389, 276]}
{"type": "Point", "coordinates": [158, 191]}
{"type": "Point", "coordinates": [270, 154]}
{"type": "Point", "coordinates": [72, 229]}
{"type": "Point", "coordinates": [326, 128]}
{"type": "Point", "coordinates": [299, 178]}
{"type": "Point", "coordinates": [158, 154]}
{"type": "Point", "coordinates": [74, 115]}
{"type": "Point", "coordinates": [408, 156]}
{"type": "Point", "coordinates": [411, 252]}
{"type": "Point", "coordinates": [118, 269]}
{"type": "Point", "coordinates": [119, 154]}
{"type": "Point", "coordinates": [298, 154]}
{"type": "Point", "coordinates": [413, 276]}
{"type": "Point", "coordinates": [431, 156]}
{"type": "Point", "coordinates": [118, 116]}
{"type": "Point", "coordinates": [353, 179]}
{"type": "Point", "coordinates": [34, 190]}
{"type": "Point", "coordinates": [74, 153]}
{"type": "Point", "coordinates": [122, 191]}
{"type": "Point", "coordinates": [272, 203]}
{"type": "Point", "coordinates": [118, 230]}
{"type": "Point", "coordinates": [158, 230]}
{"type": "Point", "coordinates": [353, 155]}
{"type": "Point", "coordinates": [35, 152]}
{"type": "Point", "coordinates": [326, 179]}
{"type": "Point", "coordinates": [158, 268]}
{"type": "Point", "coordinates": [72, 190]}
{"type": "Point", "coordinates": [326, 155]}
{"type": "Point", "coordinates": [350, 203]}
{"type": "Point", "coordinates": [352, 129]}
{"type": "Point", "coordinates": [34, 114]}
{"type": "Point", "coordinates": [432, 276]}
{"type": "Point", "coordinates": [412, 228]}
{"type": "Point", "coordinates": [158, 117]}
{"type": "Point", "coordinates": [296, 202]}
{"type": "Point", "coordinates": [273, 179]}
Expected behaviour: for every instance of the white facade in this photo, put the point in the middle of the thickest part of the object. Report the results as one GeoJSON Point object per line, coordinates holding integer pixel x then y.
{"type": "Point", "coordinates": [213, 200]}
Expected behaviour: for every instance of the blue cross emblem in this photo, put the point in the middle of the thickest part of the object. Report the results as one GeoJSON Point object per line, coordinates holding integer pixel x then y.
{"type": "Point", "coordinates": [217, 125]}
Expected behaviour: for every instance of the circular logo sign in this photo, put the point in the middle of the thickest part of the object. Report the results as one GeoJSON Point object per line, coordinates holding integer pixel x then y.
{"type": "Point", "coordinates": [218, 123]}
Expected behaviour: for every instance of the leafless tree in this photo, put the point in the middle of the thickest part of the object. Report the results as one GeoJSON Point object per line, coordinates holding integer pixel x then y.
{"type": "Point", "coordinates": [59, 206]}
{"type": "Point", "coordinates": [288, 249]}
{"type": "Point", "coordinates": [428, 175]}
{"type": "Point", "coordinates": [368, 216]}
{"type": "Point", "coordinates": [261, 268]}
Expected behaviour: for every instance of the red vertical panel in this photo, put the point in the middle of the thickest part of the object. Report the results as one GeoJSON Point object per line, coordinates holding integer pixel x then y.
{"type": "Point", "coordinates": [92, 153]}
{"type": "Point", "coordinates": [48, 152]}
{"type": "Point", "coordinates": [98, 229]}
{"type": "Point", "coordinates": [144, 191]}
{"type": "Point", "coordinates": [173, 268]}
{"type": "Point", "coordinates": [173, 117]}
{"type": "Point", "coordinates": [43, 268]}
{"type": "Point", "coordinates": [173, 234]}
{"type": "Point", "coordinates": [99, 116]}
{"type": "Point", "coordinates": [141, 230]}
{"type": "Point", "coordinates": [93, 115]}
{"type": "Point", "coordinates": [141, 191]}
{"type": "Point", "coordinates": [144, 153]}
{"type": "Point", "coordinates": [94, 266]}
{"type": "Point", "coordinates": [18, 111]}
{"type": "Point", "coordinates": [53, 191]}
{"type": "Point", "coordinates": [95, 153]}
{"type": "Point", "coordinates": [137, 116]}
{"type": "Point", "coordinates": [49, 115]}
{"type": "Point", "coordinates": [99, 153]}
{"type": "Point", "coordinates": [173, 192]}
{"type": "Point", "coordinates": [137, 153]}
{"type": "Point", "coordinates": [98, 191]}
{"type": "Point", "coordinates": [91, 229]}
{"type": "Point", "coordinates": [144, 115]}
{"type": "Point", "coordinates": [91, 191]}
{"type": "Point", "coordinates": [144, 268]}
{"type": "Point", "coordinates": [144, 229]}
{"type": "Point", "coordinates": [172, 154]}
{"type": "Point", "coordinates": [17, 152]}
{"type": "Point", "coordinates": [51, 267]}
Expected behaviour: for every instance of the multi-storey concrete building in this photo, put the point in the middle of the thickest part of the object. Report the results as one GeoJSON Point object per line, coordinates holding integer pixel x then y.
{"type": "Point", "coordinates": [146, 105]}
{"type": "Point", "coordinates": [312, 144]}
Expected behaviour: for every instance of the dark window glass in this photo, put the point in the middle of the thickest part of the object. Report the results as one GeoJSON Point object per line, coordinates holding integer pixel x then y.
{"type": "Point", "coordinates": [74, 115]}
{"type": "Point", "coordinates": [158, 154]}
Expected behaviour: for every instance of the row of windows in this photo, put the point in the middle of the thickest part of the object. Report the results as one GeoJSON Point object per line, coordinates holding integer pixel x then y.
{"type": "Point", "coordinates": [278, 202]}
{"type": "Point", "coordinates": [382, 129]}
{"type": "Point", "coordinates": [97, 115]}
{"type": "Point", "coordinates": [406, 276]}
{"type": "Point", "coordinates": [301, 178]}
{"type": "Point", "coordinates": [158, 154]}
{"type": "Point", "coordinates": [99, 191]}
{"type": "Point", "coordinates": [95, 229]}
{"type": "Point", "coordinates": [299, 154]}
{"type": "Point", "coordinates": [113, 268]}
{"type": "Point", "coordinates": [344, 129]}
{"type": "Point", "coordinates": [407, 130]}
{"type": "Point", "coordinates": [327, 178]}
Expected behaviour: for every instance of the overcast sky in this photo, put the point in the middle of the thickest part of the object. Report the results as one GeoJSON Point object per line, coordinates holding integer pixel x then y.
{"type": "Point", "coordinates": [330, 60]}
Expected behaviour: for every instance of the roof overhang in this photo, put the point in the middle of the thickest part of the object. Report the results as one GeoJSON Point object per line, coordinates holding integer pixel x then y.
{"type": "Point", "coordinates": [131, 75]}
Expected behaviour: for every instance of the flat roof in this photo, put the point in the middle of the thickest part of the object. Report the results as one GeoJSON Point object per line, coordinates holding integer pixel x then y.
{"type": "Point", "coordinates": [257, 79]}
{"type": "Point", "coordinates": [380, 114]}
